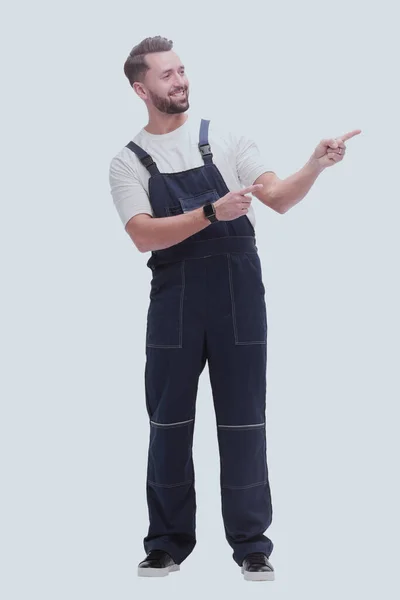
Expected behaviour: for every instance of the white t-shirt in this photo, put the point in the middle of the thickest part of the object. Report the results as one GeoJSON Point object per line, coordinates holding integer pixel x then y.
{"type": "Point", "coordinates": [237, 157]}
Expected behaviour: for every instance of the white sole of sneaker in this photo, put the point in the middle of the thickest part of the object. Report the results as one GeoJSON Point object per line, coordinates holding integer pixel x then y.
{"type": "Point", "coordinates": [149, 572]}
{"type": "Point", "coordinates": [258, 575]}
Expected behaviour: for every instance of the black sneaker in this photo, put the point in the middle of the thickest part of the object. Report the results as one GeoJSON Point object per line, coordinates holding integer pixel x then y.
{"type": "Point", "coordinates": [157, 563]}
{"type": "Point", "coordinates": [256, 567]}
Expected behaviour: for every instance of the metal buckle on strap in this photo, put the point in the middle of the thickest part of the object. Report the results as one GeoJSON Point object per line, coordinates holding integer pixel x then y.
{"type": "Point", "coordinates": [147, 161]}
{"type": "Point", "coordinates": [205, 149]}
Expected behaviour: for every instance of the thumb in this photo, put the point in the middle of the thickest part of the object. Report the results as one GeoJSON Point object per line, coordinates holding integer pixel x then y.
{"type": "Point", "coordinates": [330, 143]}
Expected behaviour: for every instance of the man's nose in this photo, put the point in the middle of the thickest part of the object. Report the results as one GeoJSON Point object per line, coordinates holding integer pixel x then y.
{"type": "Point", "coordinates": [180, 81]}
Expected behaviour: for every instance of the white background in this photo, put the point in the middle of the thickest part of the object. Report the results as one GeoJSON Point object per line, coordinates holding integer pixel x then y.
{"type": "Point", "coordinates": [74, 429]}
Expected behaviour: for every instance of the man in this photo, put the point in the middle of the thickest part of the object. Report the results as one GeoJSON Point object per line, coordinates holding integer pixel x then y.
{"type": "Point", "coordinates": [178, 189]}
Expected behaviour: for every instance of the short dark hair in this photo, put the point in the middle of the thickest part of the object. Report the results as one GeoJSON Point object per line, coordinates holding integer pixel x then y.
{"type": "Point", "coordinates": [135, 67]}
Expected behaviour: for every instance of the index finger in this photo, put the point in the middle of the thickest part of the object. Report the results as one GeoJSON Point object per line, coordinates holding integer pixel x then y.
{"type": "Point", "coordinates": [251, 188]}
{"type": "Point", "coordinates": [347, 136]}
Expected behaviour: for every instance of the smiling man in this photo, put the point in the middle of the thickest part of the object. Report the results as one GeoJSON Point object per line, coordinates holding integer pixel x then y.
{"type": "Point", "coordinates": [183, 189]}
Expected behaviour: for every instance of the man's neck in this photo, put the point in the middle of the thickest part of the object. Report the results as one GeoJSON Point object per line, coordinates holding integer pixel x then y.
{"type": "Point", "coordinates": [165, 124]}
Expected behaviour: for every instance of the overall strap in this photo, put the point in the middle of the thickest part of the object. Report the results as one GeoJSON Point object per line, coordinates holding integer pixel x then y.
{"type": "Point", "coordinates": [204, 146]}
{"type": "Point", "coordinates": [144, 158]}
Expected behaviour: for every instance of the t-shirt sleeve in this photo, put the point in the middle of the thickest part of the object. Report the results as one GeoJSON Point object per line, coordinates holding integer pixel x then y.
{"type": "Point", "coordinates": [250, 163]}
{"type": "Point", "coordinates": [128, 194]}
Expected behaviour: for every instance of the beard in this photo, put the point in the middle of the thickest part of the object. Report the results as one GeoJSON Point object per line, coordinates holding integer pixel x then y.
{"type": "Point", "coordinates": [171, 105]}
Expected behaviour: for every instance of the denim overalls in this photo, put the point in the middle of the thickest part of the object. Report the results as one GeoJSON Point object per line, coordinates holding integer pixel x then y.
{"type": "Point", "coordinates": [207, 302]}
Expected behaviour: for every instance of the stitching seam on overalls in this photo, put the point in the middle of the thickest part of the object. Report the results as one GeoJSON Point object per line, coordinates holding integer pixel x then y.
{"type": "Point", "coordinates": [232, 298]}
{"type": "Point", "coordinates": [247, 343]}
{"type": "Point", "coordinates": [242, 426]}
{"type": "Point", "coordinates": [171, 424]}
{"type": "Point", "coordinates": [182, 298]}
{"type": "Point", "coordinates": [169, 485]}
{"type": "Point", "coordinates": [197, 195]}
{"type": "Point", "coordinates": [244, 487]}
{"type": "Point", "coordinates": [180, 316]}
{"type": "Point", "coordinates": [234, 310]}
{"type": "Point", "coordinates": [223, 238]}
{"type": "Point", "coordinates": [159, 346]}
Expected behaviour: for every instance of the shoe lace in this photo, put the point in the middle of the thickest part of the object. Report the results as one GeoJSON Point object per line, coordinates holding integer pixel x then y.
{"type": "Point", "coordinates": [257, 556]}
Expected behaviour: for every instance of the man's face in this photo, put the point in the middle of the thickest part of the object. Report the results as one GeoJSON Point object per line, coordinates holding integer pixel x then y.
{"type": "Point", "coordinates": [165, 81]}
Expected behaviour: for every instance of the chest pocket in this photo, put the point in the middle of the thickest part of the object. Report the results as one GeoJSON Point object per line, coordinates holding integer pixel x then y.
{"type": "Point", "coordinates": [197, 200]}
{"type": "Point", "coordinates": [188, 203]}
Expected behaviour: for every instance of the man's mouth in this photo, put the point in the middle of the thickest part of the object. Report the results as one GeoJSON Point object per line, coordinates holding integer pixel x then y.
{"type": "Point", "coordinates": [177, 94]}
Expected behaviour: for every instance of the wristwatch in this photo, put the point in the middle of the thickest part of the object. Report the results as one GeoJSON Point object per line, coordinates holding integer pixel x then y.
{"type": "Point", "coordinates": [209, 212]}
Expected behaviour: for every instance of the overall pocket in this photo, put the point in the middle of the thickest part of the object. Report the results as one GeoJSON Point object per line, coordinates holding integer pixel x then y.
{"type": "Point", "coordinates": [165, 313]}
{"type": "Point", "coordinates": [247, 290]}
{"type": "Point", "coordinates": [189, 203]}
{"type": "Point", "coordinates": [243, 456]}
{"type": "Point", "coordinates": [194, 201]}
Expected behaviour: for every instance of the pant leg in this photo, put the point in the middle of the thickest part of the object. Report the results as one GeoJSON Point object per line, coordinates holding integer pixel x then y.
{"type": "Point", "coordinates": [237, 356]}
{"type": "Point", "coordinates": [172, 371]}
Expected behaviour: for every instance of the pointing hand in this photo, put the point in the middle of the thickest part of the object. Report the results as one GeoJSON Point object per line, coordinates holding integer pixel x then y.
{"type": "Point", "coordinates": [330, 151]}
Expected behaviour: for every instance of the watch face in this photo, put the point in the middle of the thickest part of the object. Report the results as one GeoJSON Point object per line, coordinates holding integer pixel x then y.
{"type": "Point", "coordinates": [208, 209]}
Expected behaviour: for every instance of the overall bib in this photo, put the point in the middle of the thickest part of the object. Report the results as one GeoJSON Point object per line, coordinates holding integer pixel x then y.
{"type": "Point", "coordinates": [207, 303]}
